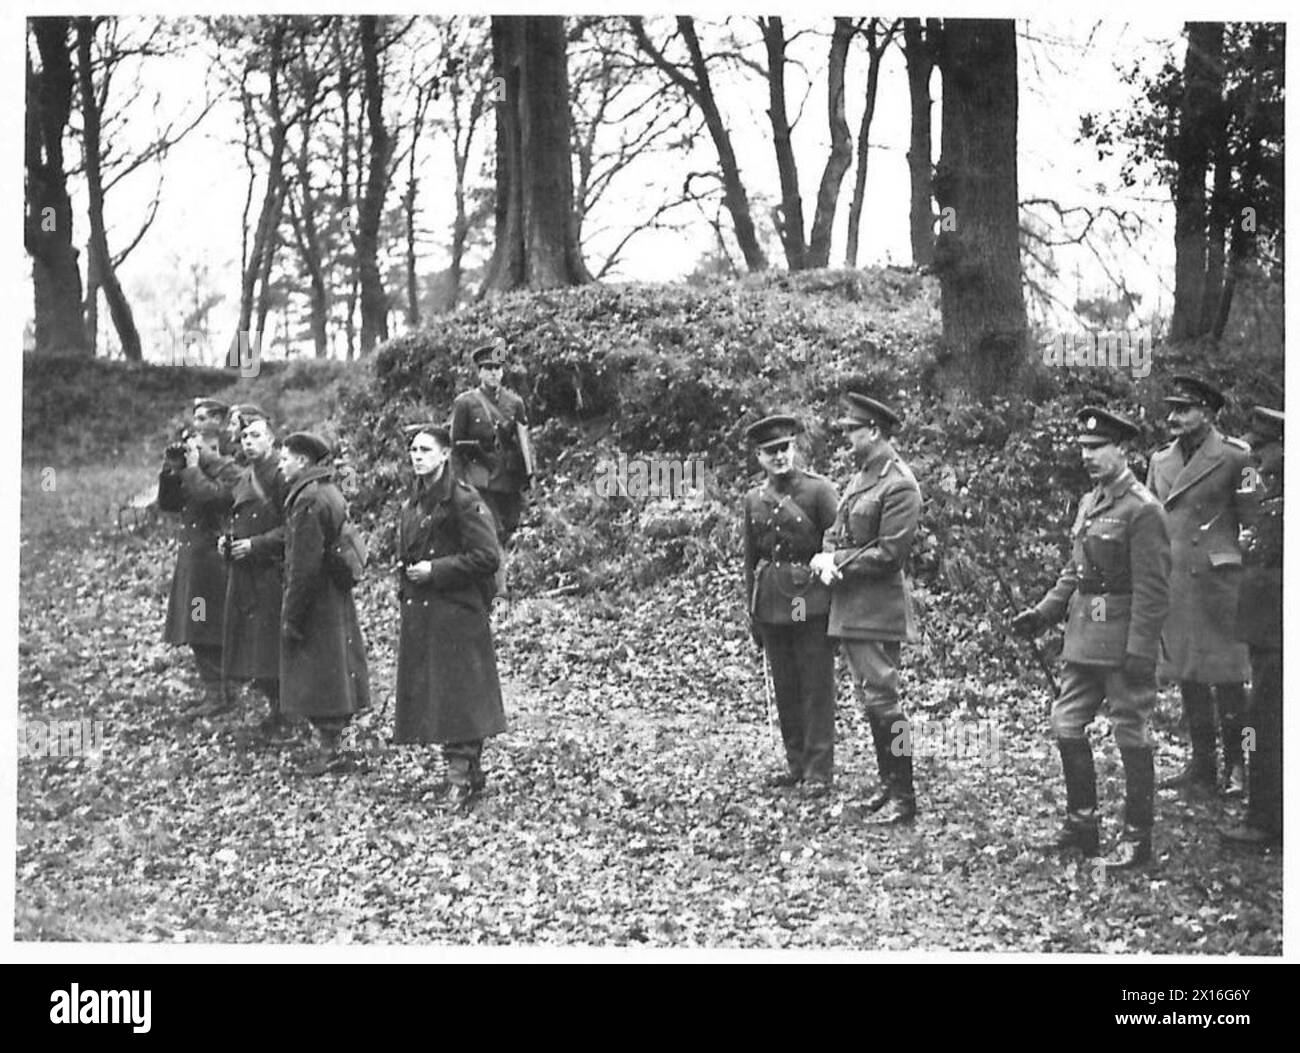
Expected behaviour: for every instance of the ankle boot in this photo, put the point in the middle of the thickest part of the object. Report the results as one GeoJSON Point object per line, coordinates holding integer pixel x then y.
{"type": "Point", "coordinates": [1134, 848]}
{"type": "Point", "coordinates": [1079, 831]}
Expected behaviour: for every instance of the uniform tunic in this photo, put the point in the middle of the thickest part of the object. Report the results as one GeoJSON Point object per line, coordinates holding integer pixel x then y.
{"type": "Point", "coordinates": [323, 671]}
{"type": "Point", "coordinates": [201, 495]}
{"type": "Point", "coordinates": [447, 686]}
{"type": "Point", "coordinates": [1207, 504]}
{"type": "Point", "coordinates": [871, 607]}
{"type": "Point", "coordinates": [785, 521]}
{"type": "Point", "coordinates": [1115, 594]}
{"type": "Point", "coordinates": [252, 621]}
{"type": "Point", "coordinates": [486, 451]}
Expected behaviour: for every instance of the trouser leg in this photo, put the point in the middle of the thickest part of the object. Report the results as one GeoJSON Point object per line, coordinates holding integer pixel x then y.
{"type": "Point", "coordinates": [1198, 710]}
{"type": "Point", "coordinates": [815, 657]}
{"type": "Point", "coordinates": [1231, 701]}
{"type": "Point", "coordinates": [783, 662]}
{"type": "Point", "coordinates": [1264, 810]}
{"type": "Point", "coordinates": [874, 664]}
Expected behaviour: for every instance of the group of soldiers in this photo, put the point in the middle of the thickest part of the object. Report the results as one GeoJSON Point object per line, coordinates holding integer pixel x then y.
{"type": "Point", "coordinates": [262, 589]}
{"type": "Point", "coordinates": [1179, 578]}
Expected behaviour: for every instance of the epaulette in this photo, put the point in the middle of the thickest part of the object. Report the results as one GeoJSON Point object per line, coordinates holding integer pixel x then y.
{"type": "Point", "coordinates": [1240, 444]}
{"type": "Point", "coordinates": [1143, 494]}
{"type": "Point", "coordinates": [1167, 447]}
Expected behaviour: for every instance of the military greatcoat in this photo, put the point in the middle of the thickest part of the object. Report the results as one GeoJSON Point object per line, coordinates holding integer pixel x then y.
{"type": "Point", "coordinates": [252, 627]}
{"type": "Point", "coordinates": [447, 686]}
{"type": "Point", "coordinates": [1208, 499]}
{"type": "Point", "coordinates": [198, 593]}
{"type": "Point", "coordinates": [322, 654]}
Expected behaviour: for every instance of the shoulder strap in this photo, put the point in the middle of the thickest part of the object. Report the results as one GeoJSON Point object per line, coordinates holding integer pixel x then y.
{"type": "Point", "coordinates": [493, 410]}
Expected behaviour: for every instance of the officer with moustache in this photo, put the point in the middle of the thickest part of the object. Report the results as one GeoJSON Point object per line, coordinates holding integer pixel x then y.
{"type": "Point", "coordinates": [786, 517]}
{"type": "Point", "coordinates": [863, 562]}
{"type": "Point", "coordinates": [1115, 591]}
{"type": "Point", "coordinates": [1201, 479]}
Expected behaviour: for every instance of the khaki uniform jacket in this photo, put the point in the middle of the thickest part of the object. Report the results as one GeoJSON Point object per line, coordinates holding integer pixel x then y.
{"type": "Point", "coordinates": [784, 529]}
{"type": "Point", "coordinates": [1207, 503]}
{"type": "Point", "coordinates": [484, 440]}
{"type": "Point", "coordinates": [872, 537]}
{"type": "Point", "coordinates": [1116, 586]}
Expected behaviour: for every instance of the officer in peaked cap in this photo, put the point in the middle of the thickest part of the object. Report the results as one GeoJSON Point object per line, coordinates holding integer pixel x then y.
{"type": "Point", "coordinates": [863, 560]}
{"type": "Point", "coordinates": [786, 516]}
{"type": "Point", "coordinates": [491, 446]}
{"type": "Point", "coordinates": [1200, 478]}
{"type": "Point", "coordinates": [1115, 594]}
{"type": "Point", "coordinates": [1259, 625]}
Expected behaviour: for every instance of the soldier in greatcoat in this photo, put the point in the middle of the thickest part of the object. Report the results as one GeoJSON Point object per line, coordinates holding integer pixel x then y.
{"type": "Point", "coordinates": [195, 481]}
{"type": "Point", "coordinates": [447, 686]}
{"type": "Point", "coordinates": [1115, 592]}
{"type": "Point", "coordinates": [255, 549]}
{"type": "Point", "coordinates": [864, 562]}
{"type": "Point", "coordinates": [1259, 624]}
{"type": "Point", "coordinates": [323, 673]}
{"type": "Point", "coordinates": [1201, 478]}
{"type": "Point", "coordinates": [786, 517]}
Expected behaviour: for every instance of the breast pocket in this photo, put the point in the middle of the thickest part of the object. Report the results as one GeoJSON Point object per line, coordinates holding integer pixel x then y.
{"type": "Point", "coordinates": [1107, 551]}
{"type": "Point", "coordinates": [864, 520]}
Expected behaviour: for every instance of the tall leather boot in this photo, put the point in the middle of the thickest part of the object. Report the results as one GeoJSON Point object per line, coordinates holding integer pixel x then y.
{"type": "Point", "coordinates": [883, 739]}
{"type": "Point", "coordinates": [900, 808]}
{"type": "Point", "coordinates": [1200, 774]}
{"type": "Point", "coordinates": [1134, 848]}
{"type": "Point", "coordinates": [1079, 831]}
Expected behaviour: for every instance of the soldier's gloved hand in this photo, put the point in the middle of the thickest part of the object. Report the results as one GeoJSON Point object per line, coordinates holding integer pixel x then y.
{"type": "Point", "coordinates": [823, 565]}
{"type": "Point", "coordinates": [1027, 623]}
{"type": "Point", "coordinates": [1139, 670]}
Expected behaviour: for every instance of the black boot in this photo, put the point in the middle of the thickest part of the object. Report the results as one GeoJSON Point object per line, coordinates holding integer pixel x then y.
{"type": "Point", "coordinates": [1079, 831]}
{"type": "Point", "coordinates": [1231, 703]}
{"type": "Point", "coordinates": [1200, 775]}
{"type": "Point", "coordinates": [900, 807]}
{"type": "Point", "coordinates": [1134, 848]}
{"type": "Point", "coordinates": [881, 737]}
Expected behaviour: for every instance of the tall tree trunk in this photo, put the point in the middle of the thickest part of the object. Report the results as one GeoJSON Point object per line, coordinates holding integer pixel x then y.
{"type": "Point", "coordinates": [841, 153]}
{"type": "Point", "coordinates": [536, 234]}
{"type": "Point", "coordinates": [374, 300]}
{"type": "Point", "coordinates": [1204, 54]}
{"type": "Point", "coordinates": [918, 48]}
{"type": "Point", "coordinates": [344, 60]}
{"type": "Point", "coordinates": [874, 53]}
{"type": "Point", "coordinates": [100, 261]}
{"type": "Point", "coordinates": [700, 92]}
{"type": "Point", "coordinates": [977, 256]}
{"type": "Point", "coordinates": [412, 284]}
{"type": "Point", "coordinates": [47, 227]}
{"type": "Point", "coordinates": [789, 217]}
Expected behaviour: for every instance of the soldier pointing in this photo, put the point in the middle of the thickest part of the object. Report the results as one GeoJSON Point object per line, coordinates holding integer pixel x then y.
{"type": "Point", "coordinates": [1115, 591]}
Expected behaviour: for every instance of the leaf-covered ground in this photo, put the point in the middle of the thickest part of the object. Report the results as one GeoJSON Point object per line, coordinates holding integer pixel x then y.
{"type": "Point", "coordinates": [625, 807]}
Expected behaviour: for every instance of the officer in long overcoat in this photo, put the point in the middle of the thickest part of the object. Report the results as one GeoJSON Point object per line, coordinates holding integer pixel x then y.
{"type": "Point", "coordinates": [1115, 591]}
{"type": "Point", "coordinates": [251, 648]}
{"type": "Point", "coordinates": [195, 481]}
{"type": "Point", "coordinates": [323, 673]}
{"type": "Point", "coordinates": [484, 435]}
{"type": "Point", "coordinates": [1201, 477]}
{"type": "Point", "coordinates": [786, 518]}
{"type": "Point", "coordinates": [871, 613]}
{"type": "Point", "coordinates": [1259, 624]}
{"type": "Point", "coordinates": [447, 686]}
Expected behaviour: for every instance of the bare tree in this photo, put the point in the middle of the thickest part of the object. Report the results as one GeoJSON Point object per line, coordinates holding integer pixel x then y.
{"type": "Point", "coordinates": [977, 257]}
{"type": "Point", "coordinates": [47, 228]}
{"type": "Point", "coordinates": [536, 243]}
{"type": "Point", "coordinates": [878, 37]}
{"type": "Point", "coordinates": [374, 300]}
{"type": "Point", "coordinates": [841, 152]}
{"type": "Point", "coordinates": [698, 87]}
{"type": "Point", "coordinates": [919, 46]}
